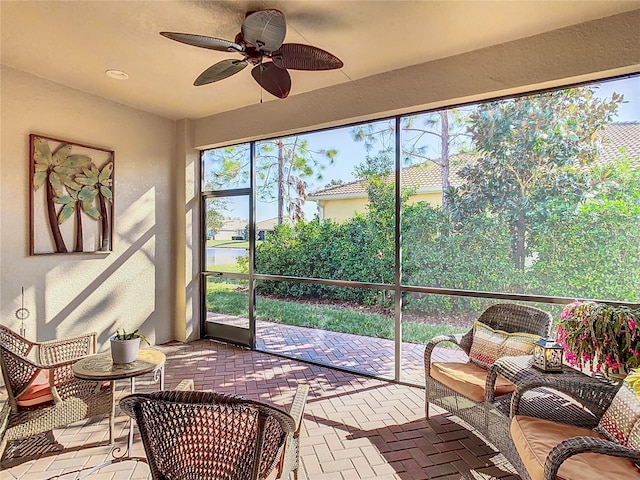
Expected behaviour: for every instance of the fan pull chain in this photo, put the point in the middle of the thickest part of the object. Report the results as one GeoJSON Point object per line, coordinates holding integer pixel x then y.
{"type": "Point", "coordinates": [261, 89]}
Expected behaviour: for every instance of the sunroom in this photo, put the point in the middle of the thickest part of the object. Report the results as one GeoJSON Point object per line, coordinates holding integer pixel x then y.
{"type": "Point", "coordinates": [466, 154]}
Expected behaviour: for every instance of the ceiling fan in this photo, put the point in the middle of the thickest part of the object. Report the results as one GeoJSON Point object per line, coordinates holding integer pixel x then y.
{"type": "Point", "coordinates": [260, 44]}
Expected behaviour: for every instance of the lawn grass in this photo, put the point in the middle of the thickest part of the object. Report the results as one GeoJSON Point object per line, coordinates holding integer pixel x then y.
{"type": "Point", "coordinates": [223, 298]}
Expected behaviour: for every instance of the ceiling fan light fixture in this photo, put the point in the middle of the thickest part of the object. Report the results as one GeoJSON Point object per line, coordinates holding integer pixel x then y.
{"type": "Point", "coordinates": [117, 74]}
{"type": "Point", "coordinates": [260, 42]}
{"type": "Point", "coordinates": [264, 30]}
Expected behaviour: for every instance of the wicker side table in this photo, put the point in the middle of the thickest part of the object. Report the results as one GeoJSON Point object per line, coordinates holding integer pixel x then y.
{"type": "Point", "coordinates": [548, 401]}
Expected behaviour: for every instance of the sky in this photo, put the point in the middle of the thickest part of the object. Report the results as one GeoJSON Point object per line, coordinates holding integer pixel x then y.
{"type": "Point", "coordinates": [629, 111]}
{"type": "Point", "coordinates": [351, 153]}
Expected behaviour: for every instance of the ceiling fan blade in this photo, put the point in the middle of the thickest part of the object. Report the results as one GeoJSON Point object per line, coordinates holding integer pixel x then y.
{"type": "Point", "coordinates": [220, 71]}
{"type": "Point", "coordinates": [203, 41]}
{"type": "Point", "coordinates": [274, 80]}
{"type": "Point", "coordinates": [265, 30]}
{"type": "Point", "coordinates": [298, 56]}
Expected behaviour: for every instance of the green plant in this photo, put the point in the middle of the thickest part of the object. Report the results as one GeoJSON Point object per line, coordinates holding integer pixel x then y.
{"type": "Point", "coordinates": [601, 336]}
{"type": "Point", "coordinates": [130, 336]}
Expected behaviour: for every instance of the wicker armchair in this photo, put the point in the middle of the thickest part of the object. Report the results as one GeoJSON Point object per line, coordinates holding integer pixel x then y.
{"type": "Point", "coordinates": [43, 393]}
{"type": "Point", "coordinates": [205, 435]}
{"type": "Point", "coordinates": [551, 447]}
{"type": "Point", "coordinates": [463, 392]}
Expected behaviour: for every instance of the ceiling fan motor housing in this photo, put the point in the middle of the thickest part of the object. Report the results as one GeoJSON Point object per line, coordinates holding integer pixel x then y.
{"type": "Point", "coordinates": [261, 37]}
{"type": "Point", "coordinates": [265, 30]}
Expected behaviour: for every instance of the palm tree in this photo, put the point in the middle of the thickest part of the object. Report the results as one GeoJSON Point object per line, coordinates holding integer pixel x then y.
{"type": "Point", "coordinates": [97, 183]}
{"type": "Point", "coordinates": [56, 170]}
{"type": "Point", "coordinates": [77, 201]}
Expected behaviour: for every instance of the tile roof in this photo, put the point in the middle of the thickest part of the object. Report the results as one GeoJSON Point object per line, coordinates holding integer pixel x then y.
{"type": "Point", "coordinates": [233, 224]}
{"type": "Point", "coordinates": [426, 176]}
{"type": "Point", "coordinates": [621, 135]}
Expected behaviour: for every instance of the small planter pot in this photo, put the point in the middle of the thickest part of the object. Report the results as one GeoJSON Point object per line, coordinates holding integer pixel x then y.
{"type": "Point", "coordinates": [124, 351]}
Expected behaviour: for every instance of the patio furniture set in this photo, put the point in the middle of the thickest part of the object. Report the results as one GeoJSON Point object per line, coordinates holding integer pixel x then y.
{"type": "Point", "coordinates": [186, 434]}
{"type": "Point", "coordinates": [567, 425]}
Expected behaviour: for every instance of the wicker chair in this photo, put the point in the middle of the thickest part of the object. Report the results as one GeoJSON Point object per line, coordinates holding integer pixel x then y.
{"type": "Point", "coordinates": [457, 398]}
{"type": "Point", "coordinates": [552, 425]}
{"type": "Point", "coordinates": [206, 435]}
{"type": "Point", "coordinates": [43, 393]}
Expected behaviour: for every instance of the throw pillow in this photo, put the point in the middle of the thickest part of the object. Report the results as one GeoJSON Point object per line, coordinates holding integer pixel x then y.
{"type": "Point", "coordinates": [488, 344]}
{"type": "Point", "coordinates": [621, 421]}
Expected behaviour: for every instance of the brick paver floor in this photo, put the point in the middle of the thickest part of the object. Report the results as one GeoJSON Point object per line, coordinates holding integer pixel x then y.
{"type": "Point", "coordinates": [373, 356]}
{"type": "Point", "coordinates": [355, 427]}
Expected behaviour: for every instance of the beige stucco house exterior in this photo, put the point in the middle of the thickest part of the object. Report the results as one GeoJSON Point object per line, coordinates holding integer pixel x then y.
{"type": "Point", "coordinates": [340, 202]}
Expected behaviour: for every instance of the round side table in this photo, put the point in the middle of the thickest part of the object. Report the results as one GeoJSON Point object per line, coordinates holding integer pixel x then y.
{"type": "Point", "coordinates": [101, 367]}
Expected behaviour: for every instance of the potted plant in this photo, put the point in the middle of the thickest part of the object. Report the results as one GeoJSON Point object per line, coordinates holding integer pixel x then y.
{"type": "Point", "coordinates": [603, 337]}
{"type": "Point", "coordinates": [124, 346]}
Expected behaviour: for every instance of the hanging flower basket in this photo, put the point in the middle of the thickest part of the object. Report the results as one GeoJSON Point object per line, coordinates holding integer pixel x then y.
{"type": "Point", "coordinates": [605, 338]}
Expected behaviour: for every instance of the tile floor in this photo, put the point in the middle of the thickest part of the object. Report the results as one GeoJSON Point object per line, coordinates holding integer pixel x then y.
{"type": "Point", "coordinates": [355, 427]}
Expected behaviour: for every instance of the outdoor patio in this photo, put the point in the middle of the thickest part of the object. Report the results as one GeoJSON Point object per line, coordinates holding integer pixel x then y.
{"type": "Point", "coordinates": [355, 427]}
{"type": "Point", "coordinates": [372, 356]}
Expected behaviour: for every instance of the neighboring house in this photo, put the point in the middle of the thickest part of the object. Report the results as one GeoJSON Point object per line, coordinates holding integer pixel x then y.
{"type": "Point", "coordinates": [237, 228]}
{"type": "Point", "coordinates": [231, 228]}
{"type": "Point", "coordinates": [340, 202]}
{"type": "Point", "coordinates": [268, 226]}
{"type": "Point", "coordinates": [265, 226]}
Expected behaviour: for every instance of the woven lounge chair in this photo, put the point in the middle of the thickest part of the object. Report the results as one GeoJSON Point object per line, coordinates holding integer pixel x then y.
{"type": "Point", "coordinates": [197, 435]}
{"type": "Point", "coordinates": [43, 393]}
{"type": "Point", "coordinates": [459, 387]}
{"type": "Point", "coordinates": [551, 447]}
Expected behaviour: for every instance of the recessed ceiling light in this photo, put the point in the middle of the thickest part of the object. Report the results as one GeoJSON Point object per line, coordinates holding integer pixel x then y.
{"type": "Point", "coordinates": [117, 74]}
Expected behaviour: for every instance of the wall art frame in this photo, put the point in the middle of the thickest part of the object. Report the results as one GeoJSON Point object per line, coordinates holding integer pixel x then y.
{"type": "Point", "coordinates": [71, 197]}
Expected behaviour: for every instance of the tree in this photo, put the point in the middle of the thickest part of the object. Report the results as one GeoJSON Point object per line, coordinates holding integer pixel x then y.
{"type": "Point", "coordinates": [446, 127]}
{"type": "Point", "coordinates": [429, 137]}
{"type": "Point", "coordinates": [593, 250]}
{"type": "Point", "coordinates": [533, 149]}
{"type": "Point", "coordinates": [227, 167]}
{"type": "Point", "coordinates": [379, 221]}
{"type": "Point", "coordinates": [283, 166]}
{"type": "Point", "coordinates": [215, 217]}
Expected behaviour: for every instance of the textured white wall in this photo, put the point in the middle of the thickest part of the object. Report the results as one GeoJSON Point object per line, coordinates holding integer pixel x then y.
{"type": "Point", "coordinates": [71, 294]}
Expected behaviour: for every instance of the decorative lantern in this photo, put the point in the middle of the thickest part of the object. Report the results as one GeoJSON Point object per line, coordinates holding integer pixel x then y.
{"type": "Point", "coordinates": [547, 355]}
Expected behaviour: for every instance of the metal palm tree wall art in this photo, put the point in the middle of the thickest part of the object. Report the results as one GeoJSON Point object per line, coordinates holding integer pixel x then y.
{"type": "Point", "coordinates": [71, 197]}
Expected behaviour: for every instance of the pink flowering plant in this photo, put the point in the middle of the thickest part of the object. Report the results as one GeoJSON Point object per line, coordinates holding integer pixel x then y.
{"type": "Point", "coordinates": [600, 336]}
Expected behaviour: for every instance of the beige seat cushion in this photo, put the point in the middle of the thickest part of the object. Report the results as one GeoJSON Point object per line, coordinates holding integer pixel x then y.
{"type": "Point", "coordinates": [468, 379]}
{"type": "Point", "coordinates": [534, 438]}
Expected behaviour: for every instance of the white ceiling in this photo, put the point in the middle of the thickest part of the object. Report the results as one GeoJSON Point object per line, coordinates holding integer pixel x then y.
{"type": "Point", "coordinates": [75, 42]}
